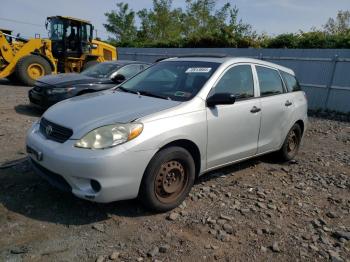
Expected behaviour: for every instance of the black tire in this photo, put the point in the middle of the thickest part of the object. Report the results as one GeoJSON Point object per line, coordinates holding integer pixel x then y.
{"type": "Point", "coordinates": [291, 144]}
{"type": "Point", "coordinates": [25, 63]}
{"type": "Point", "coordinates": [168, 164]}
{"type": "Point", "coordinates": [89, 64]}
{"type": "Point", "coordinates": [13, 78]}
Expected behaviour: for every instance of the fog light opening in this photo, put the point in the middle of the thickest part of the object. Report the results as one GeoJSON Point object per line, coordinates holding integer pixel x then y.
{"type": "Point", "coordinates": [95, 185]}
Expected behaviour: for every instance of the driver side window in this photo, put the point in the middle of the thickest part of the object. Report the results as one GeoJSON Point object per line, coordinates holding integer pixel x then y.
{"type": "Point", "coordinates": [238, 81]}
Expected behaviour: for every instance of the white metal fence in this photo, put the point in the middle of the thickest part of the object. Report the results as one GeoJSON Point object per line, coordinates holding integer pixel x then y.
{"type": "Point", "coordinates": [324, 74]}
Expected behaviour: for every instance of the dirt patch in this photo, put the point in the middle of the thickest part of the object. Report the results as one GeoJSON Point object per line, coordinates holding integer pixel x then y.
{"type": "Point", "coordinates": [257, 210]}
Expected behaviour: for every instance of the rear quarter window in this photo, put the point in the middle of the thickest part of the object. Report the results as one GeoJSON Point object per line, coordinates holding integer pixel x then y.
{"type": "Point", "coordinates": [291, 82]}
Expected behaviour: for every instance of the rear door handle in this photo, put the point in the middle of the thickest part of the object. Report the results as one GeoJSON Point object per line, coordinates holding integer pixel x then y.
{"type": "Point", "coordinates": [255, 109]}
{"type": "Point", "coordinates": [288, 103]}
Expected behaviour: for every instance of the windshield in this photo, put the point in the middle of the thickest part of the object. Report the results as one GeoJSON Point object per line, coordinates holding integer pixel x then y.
{"type": "Point", "coordinates": [175, 80]}
{"type": "Point", "coordinates": [102, 70]}
{"type": "Point", "coordinates": [56, 30]}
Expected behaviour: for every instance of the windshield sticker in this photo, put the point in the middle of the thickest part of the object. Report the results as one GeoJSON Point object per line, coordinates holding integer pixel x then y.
{"type": "Point", "coordinates": [198, 70]}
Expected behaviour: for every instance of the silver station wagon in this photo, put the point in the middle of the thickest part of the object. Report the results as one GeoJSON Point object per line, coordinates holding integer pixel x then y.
{"type": "Point", "coordinates": [153, 135]}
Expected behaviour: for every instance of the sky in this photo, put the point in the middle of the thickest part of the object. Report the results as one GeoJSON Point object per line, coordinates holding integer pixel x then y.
{"type": "Point", "coordinates": [269, 16]}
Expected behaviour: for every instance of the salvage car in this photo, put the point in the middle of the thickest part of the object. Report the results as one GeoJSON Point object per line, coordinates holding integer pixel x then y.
{"type": "Point", "coordinates": [152, 136]}
{"type": "Point", "coordinates": [51, 89]}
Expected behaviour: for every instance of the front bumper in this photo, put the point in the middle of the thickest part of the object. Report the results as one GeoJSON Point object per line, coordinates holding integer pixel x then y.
{"type": "Point", "coordinates": [43, 100]}
{"type": "Point", "coordinates": [118, 171]}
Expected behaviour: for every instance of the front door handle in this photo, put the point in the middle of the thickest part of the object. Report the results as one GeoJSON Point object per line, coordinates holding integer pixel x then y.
{"type": "Point", "coordinates": [255, 109]}
{"type": "Point", "coordinates": [288, 103]}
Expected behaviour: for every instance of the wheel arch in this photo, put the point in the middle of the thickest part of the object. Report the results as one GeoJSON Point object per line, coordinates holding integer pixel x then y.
{"type": "Point", "coordinates": [302, 126]}
{"type": "Point", "coordinates": [191, 147]}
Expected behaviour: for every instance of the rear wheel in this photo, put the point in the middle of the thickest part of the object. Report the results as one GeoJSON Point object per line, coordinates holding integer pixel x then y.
{"type": "Point", "coordinates": [30, 68]}
{"type": "Point", "coordinates": [291, 144]}
{"type": "Point", "coordinates": [168, 179]}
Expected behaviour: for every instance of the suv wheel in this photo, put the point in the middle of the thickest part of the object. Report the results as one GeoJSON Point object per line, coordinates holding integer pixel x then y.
{"type": "Point", "coordinates": [168, 179]}
{"type": "Point", "coordinates": [291, 143]}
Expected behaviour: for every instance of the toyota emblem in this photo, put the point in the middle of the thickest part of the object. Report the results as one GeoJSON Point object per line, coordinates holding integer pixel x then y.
{"type": "Point", "coordinates": [48, 130]}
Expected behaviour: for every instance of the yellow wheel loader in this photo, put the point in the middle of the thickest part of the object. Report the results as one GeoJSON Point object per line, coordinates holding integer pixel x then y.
{"type": "Point", "coordinates": [69, 48]}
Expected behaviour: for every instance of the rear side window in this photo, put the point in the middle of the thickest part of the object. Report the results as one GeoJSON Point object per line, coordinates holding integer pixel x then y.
{"type": "Point", "coordinates": [270, 81]}
{"type": "Point", "coordinates": [291, 82]}
{"type": "Point", "coordinates": [238, 80]}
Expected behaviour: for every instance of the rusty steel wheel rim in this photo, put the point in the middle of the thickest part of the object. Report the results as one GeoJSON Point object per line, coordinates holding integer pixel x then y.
{"type": "Point", "coordinates": [171, 181]}
{"type": "Point", "coordinates": [292, 142]}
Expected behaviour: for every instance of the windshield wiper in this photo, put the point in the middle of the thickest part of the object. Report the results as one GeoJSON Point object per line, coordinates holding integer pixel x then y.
{"type": "Point", "coordinates": [143, 93]}
{"type": "Point", "coordinates": [146, 93]}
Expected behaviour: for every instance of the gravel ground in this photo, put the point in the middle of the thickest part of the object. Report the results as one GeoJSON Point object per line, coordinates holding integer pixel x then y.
{"type": "Point", "coordinates": [259, 210]}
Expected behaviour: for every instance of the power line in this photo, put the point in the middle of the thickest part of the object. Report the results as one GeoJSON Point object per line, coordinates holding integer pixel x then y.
{"type": "Point", "coordinates": [41, 26]}
{"type": "Point", "coordinates": [19, 22]}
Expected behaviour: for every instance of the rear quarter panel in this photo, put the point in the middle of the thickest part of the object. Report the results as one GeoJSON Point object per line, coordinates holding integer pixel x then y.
{"type": "Point", "coordinates": [299, 110]}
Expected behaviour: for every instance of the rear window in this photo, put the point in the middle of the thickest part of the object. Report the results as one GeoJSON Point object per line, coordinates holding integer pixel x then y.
{"type": "Point", "coordinates": [270, 81]}
{"type": "Point", "coordinates": [291, 82]}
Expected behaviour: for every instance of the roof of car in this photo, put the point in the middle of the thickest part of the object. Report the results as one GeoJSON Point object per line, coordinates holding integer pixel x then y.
{"type": "Point", "coordinates": [221, 59]}
{"type": "Point", "coordinates": [125, 62]}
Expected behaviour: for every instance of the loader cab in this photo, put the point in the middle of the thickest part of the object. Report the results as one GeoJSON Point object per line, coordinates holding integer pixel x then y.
{"type": "Point", "coordinates": [70, 37]}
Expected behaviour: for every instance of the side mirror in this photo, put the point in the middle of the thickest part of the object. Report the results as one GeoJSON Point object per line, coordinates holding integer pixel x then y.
{"type": "Point", "coordinates": [118, 79]}
{"type": "Point", "coordinates": [221, 99]}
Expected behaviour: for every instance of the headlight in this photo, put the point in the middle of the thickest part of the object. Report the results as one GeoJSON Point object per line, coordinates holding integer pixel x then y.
{"type": "Point", "coordinates": [109, 136]}
{"type": "Point", "coordinates": [53, 91]}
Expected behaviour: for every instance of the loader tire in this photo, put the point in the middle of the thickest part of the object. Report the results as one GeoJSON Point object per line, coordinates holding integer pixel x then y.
{"type": "Point", "coordinates": [30, 68]}
{"type": "Point", "coordinates": [13, 78]}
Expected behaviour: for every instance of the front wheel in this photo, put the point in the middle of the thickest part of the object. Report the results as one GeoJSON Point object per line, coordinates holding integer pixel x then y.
{"type": "Point", "coordinates": [291, 144]}
{"type": "Point", "coordinates": [13, 78]}
{"type": "Point", "coordinates": [168, 179]}
{"type": "Point", "coordinates": [30, 68]}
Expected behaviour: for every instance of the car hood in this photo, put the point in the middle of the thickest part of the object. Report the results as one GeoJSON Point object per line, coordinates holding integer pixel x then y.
{"type": "Point", "coordinates": [87, 112]}
{"type": "Point", "coordinates": [63, 80]}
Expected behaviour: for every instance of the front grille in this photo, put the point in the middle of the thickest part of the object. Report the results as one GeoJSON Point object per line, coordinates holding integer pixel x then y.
{"type": "Point", "coordinates": [53, 178]}
{"type": "Point", "coordinates": [55, 132]}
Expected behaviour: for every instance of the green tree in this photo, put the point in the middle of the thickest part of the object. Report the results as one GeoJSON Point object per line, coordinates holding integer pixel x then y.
{"type": "Point", "coordinates": [339, 25]}
{"type": "Point", "coordinates": [208, 27]}
{"type": "Point", "coordinates": [161, 23]}
{"type": "Point", "coordinates": [121, 23]}
{"type": "Point", "coordinates": [284, 41]}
